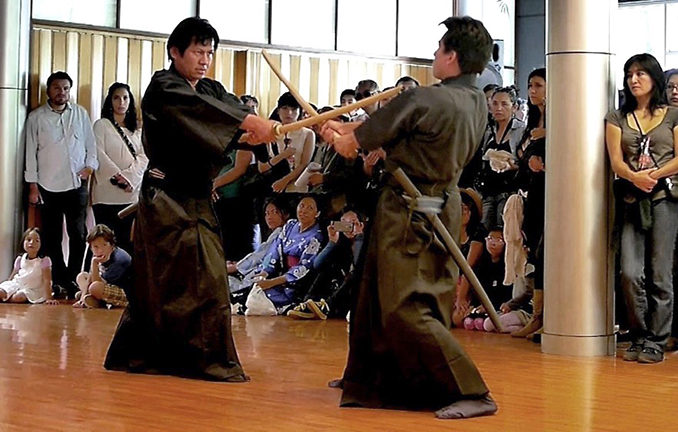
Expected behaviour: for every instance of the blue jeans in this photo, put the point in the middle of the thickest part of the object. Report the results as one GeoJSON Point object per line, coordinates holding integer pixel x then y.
{"type": "Point", "coordinates": [649, 304]}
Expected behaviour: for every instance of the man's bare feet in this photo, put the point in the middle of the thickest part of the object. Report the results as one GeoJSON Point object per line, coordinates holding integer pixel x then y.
{"type": "Point", "coordinates": [467, 408]}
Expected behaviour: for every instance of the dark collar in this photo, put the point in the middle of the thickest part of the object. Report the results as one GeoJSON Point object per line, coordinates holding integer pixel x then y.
{"type": "Point", "coordinates": [468, 80]}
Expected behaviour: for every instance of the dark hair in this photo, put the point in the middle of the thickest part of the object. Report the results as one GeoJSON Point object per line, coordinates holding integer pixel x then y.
{"type": "Point", "coordinates": [533, 112]}
{"type": "Point", "coordinates": [342, 118]}
{"type": "Point", "coordinates": [649, 64]}
{"type": "Point", "coordinates": [107, 108]}
{"type": "Point", "coordinates": [246, 98]}
{"type": "Point", "coordinates": [373, 86]}
{"type": "Point", "coordinates": [278, 203]}
{"type": "Point", "coordinates": [474, 217]}
{"type": "Point", "coordinates": [470, 40]}
{"type": "Point", "coordinates": [490, 87]}
{"type": "Point", "coordinates": [101, 231]}
{"type": "Point", "coordinates": [347, 92]}
{"type": "Point", "coordinates": [406, 79]}
{"type": "Point", "coordinates": [495, 52]}
{"type": "Point", "coordinates": [511, 91]}
{"type": "Point", "coordinates": [25, 236]}
{"type": "Point", "coordinates": [60, 75]}
{"type": "Point", "coordinates": [286, 99]}
{"type": "Point", "coordinates": [193, 29]}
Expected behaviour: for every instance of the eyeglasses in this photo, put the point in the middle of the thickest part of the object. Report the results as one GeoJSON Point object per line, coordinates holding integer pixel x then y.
{"type": "Point", "coordinates": [364, 94]}
{"type": "Point", "coordinates": [494, 239]}
{"type": "Point", "coordinates": [671, 87]}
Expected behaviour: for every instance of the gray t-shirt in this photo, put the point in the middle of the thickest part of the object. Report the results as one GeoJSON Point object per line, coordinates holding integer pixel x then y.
{"type": "Point", "coordinates": [661, 137]}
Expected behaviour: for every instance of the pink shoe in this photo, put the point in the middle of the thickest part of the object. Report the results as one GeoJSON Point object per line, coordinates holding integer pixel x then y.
{"type": "Point", "coordinates": [468, 323]}
{"type": "Point", "coordinates": [478, 323]}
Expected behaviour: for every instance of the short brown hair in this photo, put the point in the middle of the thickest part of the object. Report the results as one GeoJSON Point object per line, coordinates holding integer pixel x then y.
{"type": "Point", "coordinates": [101, 231]}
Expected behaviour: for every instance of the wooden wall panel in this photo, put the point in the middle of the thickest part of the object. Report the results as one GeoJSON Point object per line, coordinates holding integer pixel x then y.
{"type": "Point", "coordinates": [110, 61]}
{"type": "Point", "coordinates": [134, 66]}
{"type": "Point", "coordinates": [97, 59]}
{"type": "Point", "coordinates": [85, 77]}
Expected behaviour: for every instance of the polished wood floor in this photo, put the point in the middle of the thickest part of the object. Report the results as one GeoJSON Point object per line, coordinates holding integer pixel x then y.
{"type": "Point", "coordinates": [51, 379]}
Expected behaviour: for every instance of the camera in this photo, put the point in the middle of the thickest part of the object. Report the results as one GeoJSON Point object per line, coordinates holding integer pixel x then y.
{"type": "Point", "coordinates": [344, 227]}
{"type": "Point", "coordinates": [116, 181]}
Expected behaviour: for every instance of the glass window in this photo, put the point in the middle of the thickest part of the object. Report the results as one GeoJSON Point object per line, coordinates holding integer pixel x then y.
{"type": "Point", "coordinates": [671, 30]}
{"type": "Point", "coordinates": [157, 16]}
{"type": "Point", "coordinates": [499, 19]}
{"type": "Point", "coordinates": [303, 23]}
{"type": "Point", "coordinates": [92, 12]}
{"type": "Point", "coordinates": [251, 24]}
{"type": "Point", "coordinates": [367, 27]}
{"type": "Point", "coordinates": [418, 27]}
{"type": "Point", "coordinates": [640, 29]}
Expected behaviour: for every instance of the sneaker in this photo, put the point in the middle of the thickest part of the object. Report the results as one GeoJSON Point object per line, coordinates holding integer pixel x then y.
{"type": "Point", "coordinates": [320, 308]}
{"type": "Point", "coordinates": [651, 355]}
{"type": "Point", "coordinates": [632, 353]}
{"type": "Point", "coordinates": [301, 311]}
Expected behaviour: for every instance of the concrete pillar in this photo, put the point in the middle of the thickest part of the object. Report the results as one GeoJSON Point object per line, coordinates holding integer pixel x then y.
{"type": "Point", "coordinates": [15, 31]}
{"type": "Point", "coordinates": [578, 286]}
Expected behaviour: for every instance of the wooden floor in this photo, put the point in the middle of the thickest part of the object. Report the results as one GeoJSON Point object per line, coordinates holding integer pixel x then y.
{"type": "Point", "coordinates": [51, 379]}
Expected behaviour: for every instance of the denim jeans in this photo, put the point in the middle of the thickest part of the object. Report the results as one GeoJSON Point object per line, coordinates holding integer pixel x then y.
{"type": "Point", "coordinates": [649, 303]}
{"type": "Point", "coordinates": [493, 210]}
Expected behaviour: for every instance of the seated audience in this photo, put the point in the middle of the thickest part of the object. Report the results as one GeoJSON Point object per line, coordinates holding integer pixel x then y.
{"type": "Point", "coordinates": [244, 273]}
{"type": "Point", "coordinates": [406, 81]}
{"type": "Point", "coordinates": [291, 257]}
{"type": "Point", "coordinates": [110, 273]}
{"type": "Point", "coordinates": [251, 102]}
{"type": "Point", "coordinates": [335, 266]}
{"type": "Point", "coordinates": [490, 272]}
{"type": "Point", "coordinates": [471, 245]}
{"type": "Point", "coordinates": [31, 277]}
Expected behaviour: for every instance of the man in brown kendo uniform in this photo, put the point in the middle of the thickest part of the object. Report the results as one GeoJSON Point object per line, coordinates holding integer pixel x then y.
{"type": "Point", "coordinates": [402, 354]}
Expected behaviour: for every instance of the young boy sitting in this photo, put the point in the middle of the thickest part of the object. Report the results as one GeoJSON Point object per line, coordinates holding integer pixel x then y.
{"type": "Point", "coordinates": [110, 272]}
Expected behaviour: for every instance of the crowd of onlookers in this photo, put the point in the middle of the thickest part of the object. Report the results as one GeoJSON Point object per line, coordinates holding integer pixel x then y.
{"type": "Point", "coordinates": [294, 214]}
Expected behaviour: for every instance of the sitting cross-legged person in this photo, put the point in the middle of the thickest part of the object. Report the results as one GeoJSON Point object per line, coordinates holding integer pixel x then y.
{"type": "Point", "coordinates": [110, 273]}
{"type": "Point", "coordinates": [335, 281]}
{"type": "Point", "coordinates": [490, 272]}
{"type": "Point", "coordinates": [243, 274]}
{"type": "Point", "coordinates": [283, 274]}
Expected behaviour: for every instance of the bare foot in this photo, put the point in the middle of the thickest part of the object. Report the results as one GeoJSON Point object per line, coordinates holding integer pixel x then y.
{"type": "Point", "coordinates": [467, 408]}
{"type": "Point", "coordinates": [79, 305]}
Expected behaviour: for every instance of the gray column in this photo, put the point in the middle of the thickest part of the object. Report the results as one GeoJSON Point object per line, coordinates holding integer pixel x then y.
{"type": "Point", "coordinates": [578, 312]}
{"type": "Point", "coordinates": [15, 31]}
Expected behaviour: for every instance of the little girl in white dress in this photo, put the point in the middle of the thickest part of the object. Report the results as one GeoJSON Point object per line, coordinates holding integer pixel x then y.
{"type": "Point", "coordinates": [31, 278]}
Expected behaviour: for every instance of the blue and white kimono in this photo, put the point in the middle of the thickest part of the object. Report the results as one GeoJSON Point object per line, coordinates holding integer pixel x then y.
{"type": "Point", "coordinates": [291, 246]}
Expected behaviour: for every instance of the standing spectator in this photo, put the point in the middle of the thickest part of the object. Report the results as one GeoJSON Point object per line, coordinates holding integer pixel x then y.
{"type": "Point", "coordinates": [531, 176]}
{"type": "Point", "coordinates": [60, 156]}
{"type": "Point", "coordinates": [122, 162]}
{"type": "Point", "coordinates": [641, 142]}
{"type": "Point", "coordinates": [406, 81]}
{"type": "Point", "coordinates": [365, 89]}
{"type": "Point", "coordinates": [251, 102]}
{"type": "Point", "coordinates": [499, 148]}
{"type": "Point", "coordinates": [295, 148]}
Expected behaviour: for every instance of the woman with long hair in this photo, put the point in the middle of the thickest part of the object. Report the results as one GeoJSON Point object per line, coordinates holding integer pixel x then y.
{"type": "Point", "coordinates": [531, 177]}
{"type": "Point", "coordinates": [122, 162]}
{"type": "Point", "coordinates": [642, 140]}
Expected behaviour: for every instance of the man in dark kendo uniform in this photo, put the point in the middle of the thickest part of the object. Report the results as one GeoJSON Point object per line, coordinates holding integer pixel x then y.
{"type": "Point", "coordinates": [179, 318]}
{"type": "Point", "coordinates": [401, 352]}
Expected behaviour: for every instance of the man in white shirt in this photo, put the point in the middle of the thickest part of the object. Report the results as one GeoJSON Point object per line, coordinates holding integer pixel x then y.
{"type": "Point", "coordinates": [60, 156]}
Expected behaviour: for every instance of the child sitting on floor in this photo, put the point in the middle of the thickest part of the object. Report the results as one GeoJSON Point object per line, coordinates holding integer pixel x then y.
{"type": "Point", "coordinates": [31, 278]}
{"type": "Point", "coordinates": [110, 273]}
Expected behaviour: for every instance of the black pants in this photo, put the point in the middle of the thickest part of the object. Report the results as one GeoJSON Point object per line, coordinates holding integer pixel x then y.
{"type": "Point", "coordinates": [107, 214]}
{"type": "Point", "coordinates": [236, 218]}
{"type": "Point", "coordinates": [73, 205]}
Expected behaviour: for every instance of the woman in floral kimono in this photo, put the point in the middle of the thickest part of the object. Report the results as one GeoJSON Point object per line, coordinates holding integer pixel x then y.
{"type": "Point", "coordinates": [291, 256]}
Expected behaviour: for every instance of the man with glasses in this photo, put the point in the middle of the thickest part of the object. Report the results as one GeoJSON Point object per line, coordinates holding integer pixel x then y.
{"type": "Point", "coordinates": [365, 89]}
{"type": "Point", "coordinates": [402, 354]}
